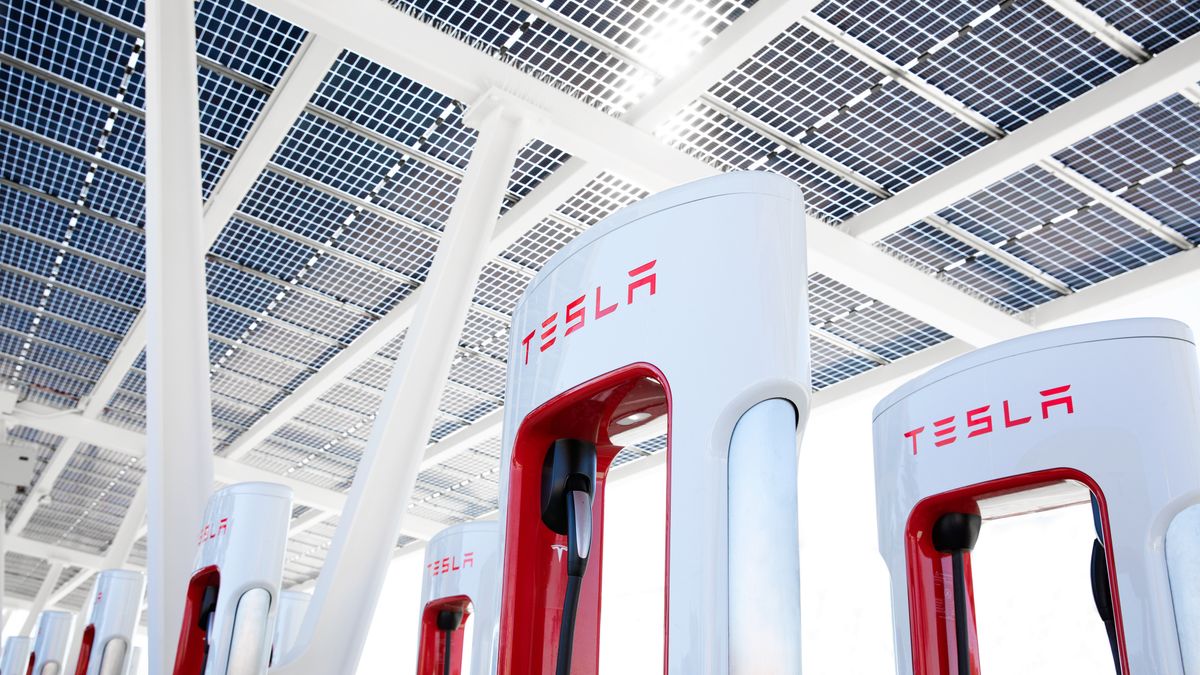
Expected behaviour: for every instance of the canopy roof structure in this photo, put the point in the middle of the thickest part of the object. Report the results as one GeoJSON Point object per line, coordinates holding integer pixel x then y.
{"type": "Point", "coordinates": [974, 170]}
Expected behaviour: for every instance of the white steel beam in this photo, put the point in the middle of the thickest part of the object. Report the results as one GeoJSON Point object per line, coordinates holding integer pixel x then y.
{"type": "Point", "coordinates": [336, 624]}
{"type": "Point", "coordinates": [178, 403]}
{"type": "Point", "coordinates": [43, 594]}
{"type": "Point", "coordinates": [1104, 31]}
{"type": "Point", "coordinates": [1101, 107]}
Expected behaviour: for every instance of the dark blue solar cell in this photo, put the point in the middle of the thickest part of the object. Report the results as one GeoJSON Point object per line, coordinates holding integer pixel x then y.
{"type": "Point", "coordinates": [1022, 63]}
{"type": "Point", "coordinates": [285, 203]}
{"type": "Point", "coordinates": [120, 245]}
{"type": "Point", "coordinates": [231, 285]}
{"type": "Point", "coordinates": [130, 11]}
{"type": "Point", "coordinates": [76, 338]}
{"type": "Point", "coordinates": [227, 108]}
{"type": "Point", "coordinates": [15, 319]}
{"type": "Point", "coordinates": [226, 323]}
{"type": "Point", "coordinates": [896, 137]}
{"type": "Point", "coordinates": [119, 196]}
{"type": "Point", "coordinates": [825, 194]}
{"type": "Point", "coordinates": [126, 143]}
{"type": "Point", "coordinates": [262, 250]}
{"type": "Point", "coordinates": [33, 214]}
{"type": "Point", "coordinates": [86, 310]}
{"type": "Point", "coordinates": [1154, 24]}
{"type": "Point", "coordinates": [135, 88]}
{"type": "Point", "coordinates": [489, 21]}
{"type": "Point", "coordinates": [1025, 200]}
{"type": "Point", "coordinates": [335, 156]}
{"type": "Point", "coordinates": [1154, 140]}
{"type": "Point", "coordinates": [39, 167]}
{"type": "Point", "coordinates": [60, 359]}
{"type": "Point", "coordinates": [51, 111]}
{"type": "Point", "coordinates": [213, 163]}
{"type": "Point", "coordinates": [421, 194]}
{"type": "Point", "coordinates": [1091, 246]}
{"type": "Point", "coordinates": [553, 52]}
{"type": "Point", "coordinates": [107, 282]}
{"type": "Point", "coordinates": [28, 255]}
{"type": "Point", "coordinates": [902, 30]}
{"type": "Point", "coordinates": [20, 288]}
{"type": "Point", "coordinates": [1174, 199]}
{"type": "Point", "coordinates": [1002, 284]}
{"type": "Point", "coordinates": [379, 99]}
{"type": "Point", "coordinates": [246, 39]}
{"type": "Point", "coordinates": [534, 163]}
{"type": "Point", "coordinates": [450, 141]}
{"type": "Point", "coordinates": [54, 38]}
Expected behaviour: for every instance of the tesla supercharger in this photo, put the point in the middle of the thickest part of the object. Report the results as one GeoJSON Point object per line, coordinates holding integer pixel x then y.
{"type": "Point", "coordinates": [106, 647]}
{"type": "Point", "coordinates": [229, 612]}
{"type": "Point", "coordinates": [15, 658]}
{"type": "Point", "coordinates": [292, 606]}
{"type": "Point", "coordinates": [1107, 413]}
{"type": "Point", "coordinates": [50, 644]}
{"type": "Point", "coordinates": [686, 312]}
{"type": "Point", "coordinates": [461, 583]}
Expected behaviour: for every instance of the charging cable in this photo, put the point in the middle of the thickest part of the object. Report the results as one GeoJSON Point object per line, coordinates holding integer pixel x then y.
{"type": "Point", "coordinates": [956, 533]}
{"type": "Point", "coordinates": [568, 484]}
{"type": "Point", "coordinates": [448, 621]}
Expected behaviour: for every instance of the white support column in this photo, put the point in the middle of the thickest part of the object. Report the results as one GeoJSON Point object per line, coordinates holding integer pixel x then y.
{"type": "Point", "coordinates": [43, 594]}
{"type": "Point", "coordinates": [336, 624]}
{"type": "Point", "coordinates": [3, 555]}
{"type": "Point", "coordinates": [178, 407]}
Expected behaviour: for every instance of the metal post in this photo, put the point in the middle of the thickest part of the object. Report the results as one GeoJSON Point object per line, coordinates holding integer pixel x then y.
{"type": "Point", "coordinates": [3, 555]}
{"type": "Point", "coordinates": [178, 410]}
{"type": "Point", "coordinates": [43, 594]}
{"type": "Point", "coordinates": [336, 624]}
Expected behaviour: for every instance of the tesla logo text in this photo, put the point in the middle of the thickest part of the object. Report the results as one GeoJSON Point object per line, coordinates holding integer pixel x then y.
{"type": "Point", "coordinates": [575, 315]}
{"type": "Point", "coordinates": [214, 530]}
{"type": "Point", "coordinates": [450, 564]}
{"type": "Point", "coordinates": [99, 595]}
{"type": "Point", "coordinates": [980, 421]}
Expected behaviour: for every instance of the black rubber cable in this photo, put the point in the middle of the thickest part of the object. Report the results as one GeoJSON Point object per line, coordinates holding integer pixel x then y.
{"type": "Point", "coordinates": [566, 631]}
{"type": "Point", "coordinates": [449, 652]}
{"type": "Point", "coordinates": [961, 632]}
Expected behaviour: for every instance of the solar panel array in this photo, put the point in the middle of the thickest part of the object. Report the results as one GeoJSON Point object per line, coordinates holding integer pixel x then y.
{"type": "Point", "coordinates": [341, 225]}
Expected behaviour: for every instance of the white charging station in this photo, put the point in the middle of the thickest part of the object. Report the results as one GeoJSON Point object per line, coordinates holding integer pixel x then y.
{"type": "Point", "coordinates": [229, 615]}
{"type": "Point", "coordinates": [460, 583]}
{"type": "Point", "coordinates": [1107, 413]}
{"type": "Point", "coordinates": [116, 604]}
{"type": "Point", "coordinates": [686, 312]}
{"type": "Point", "coordinates": [14, 660]}
{"type": "Point", "coordinates": [292, 606]}
{"type": "Point", "coordinates": [50, 643]}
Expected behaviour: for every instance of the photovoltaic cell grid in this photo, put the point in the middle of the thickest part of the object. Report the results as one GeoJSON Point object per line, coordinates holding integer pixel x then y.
{"type": "Point", "coordinates": [1154, 25]}
{"type": "Point", "coordinates": [901, 31]}
{"type": "Point", "coordinates": [41, 447]}
{"type": "Point", "coordinates": [866, 322]}
{"type": "Point", "coordinates": [23, 575]}
{"type": "Point", "coordinates": [88, 502]}
{"type": "Point", "coordinates": [708, 133]}
{"type": "Point", "coordinates": [1025, 61]}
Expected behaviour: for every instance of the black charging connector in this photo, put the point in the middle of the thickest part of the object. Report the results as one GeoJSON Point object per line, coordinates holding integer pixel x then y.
{"type": "Point", "coordinates": [568, 486]}
{"type": "Point", "coordinates": [1101, 591]}
{"type": "Point", "coordinates": [956, 533]}
{"type": "Point", "coordinates": [448, 621]}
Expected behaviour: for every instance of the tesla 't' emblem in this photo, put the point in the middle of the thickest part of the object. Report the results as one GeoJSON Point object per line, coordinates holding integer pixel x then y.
{"type": "Point", "coordinates": [560, 549]}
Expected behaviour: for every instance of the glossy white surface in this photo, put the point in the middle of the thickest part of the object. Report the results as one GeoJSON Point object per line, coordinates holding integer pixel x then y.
{"type": "Point", "coordinates": [116, 606]}
{"type": "Point", "coordinates": [1135, 430]}
{"type": "Point", "coordinates": [15, 657]}
{"type": "Point", "coordinates": [51, 640]}
{"type": "Point", "coordinates": [479, 581]}
{"type": "Point", "coordinates": [246, 540]}
{"type": "Point", "coordinates": [728, 328]}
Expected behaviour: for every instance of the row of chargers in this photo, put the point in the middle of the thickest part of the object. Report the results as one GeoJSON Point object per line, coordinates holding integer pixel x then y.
{"type": "Point", "coordinates": [628, 328]}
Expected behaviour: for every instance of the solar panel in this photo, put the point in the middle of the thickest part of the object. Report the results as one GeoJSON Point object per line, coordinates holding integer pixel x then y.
{"type": "Point", "coordinates": [246, 39]}
{"type": "Point", "coordinates": [54, 38]}
{"type": "Point", "coordinates": [1154, 25]}
{"type": "Point", "coordinates": [1173, 199]}
{"type": "Point", "coordinates": [902, 31]}
{"type": "Point", "coordinates": [1140, 146]}
{"type": "Point", "coordinates": [1023, 62]}
{"type": "Point", "coordinates": [795, 82]}
{"type": "Point", "coordinates": [896, 137]}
